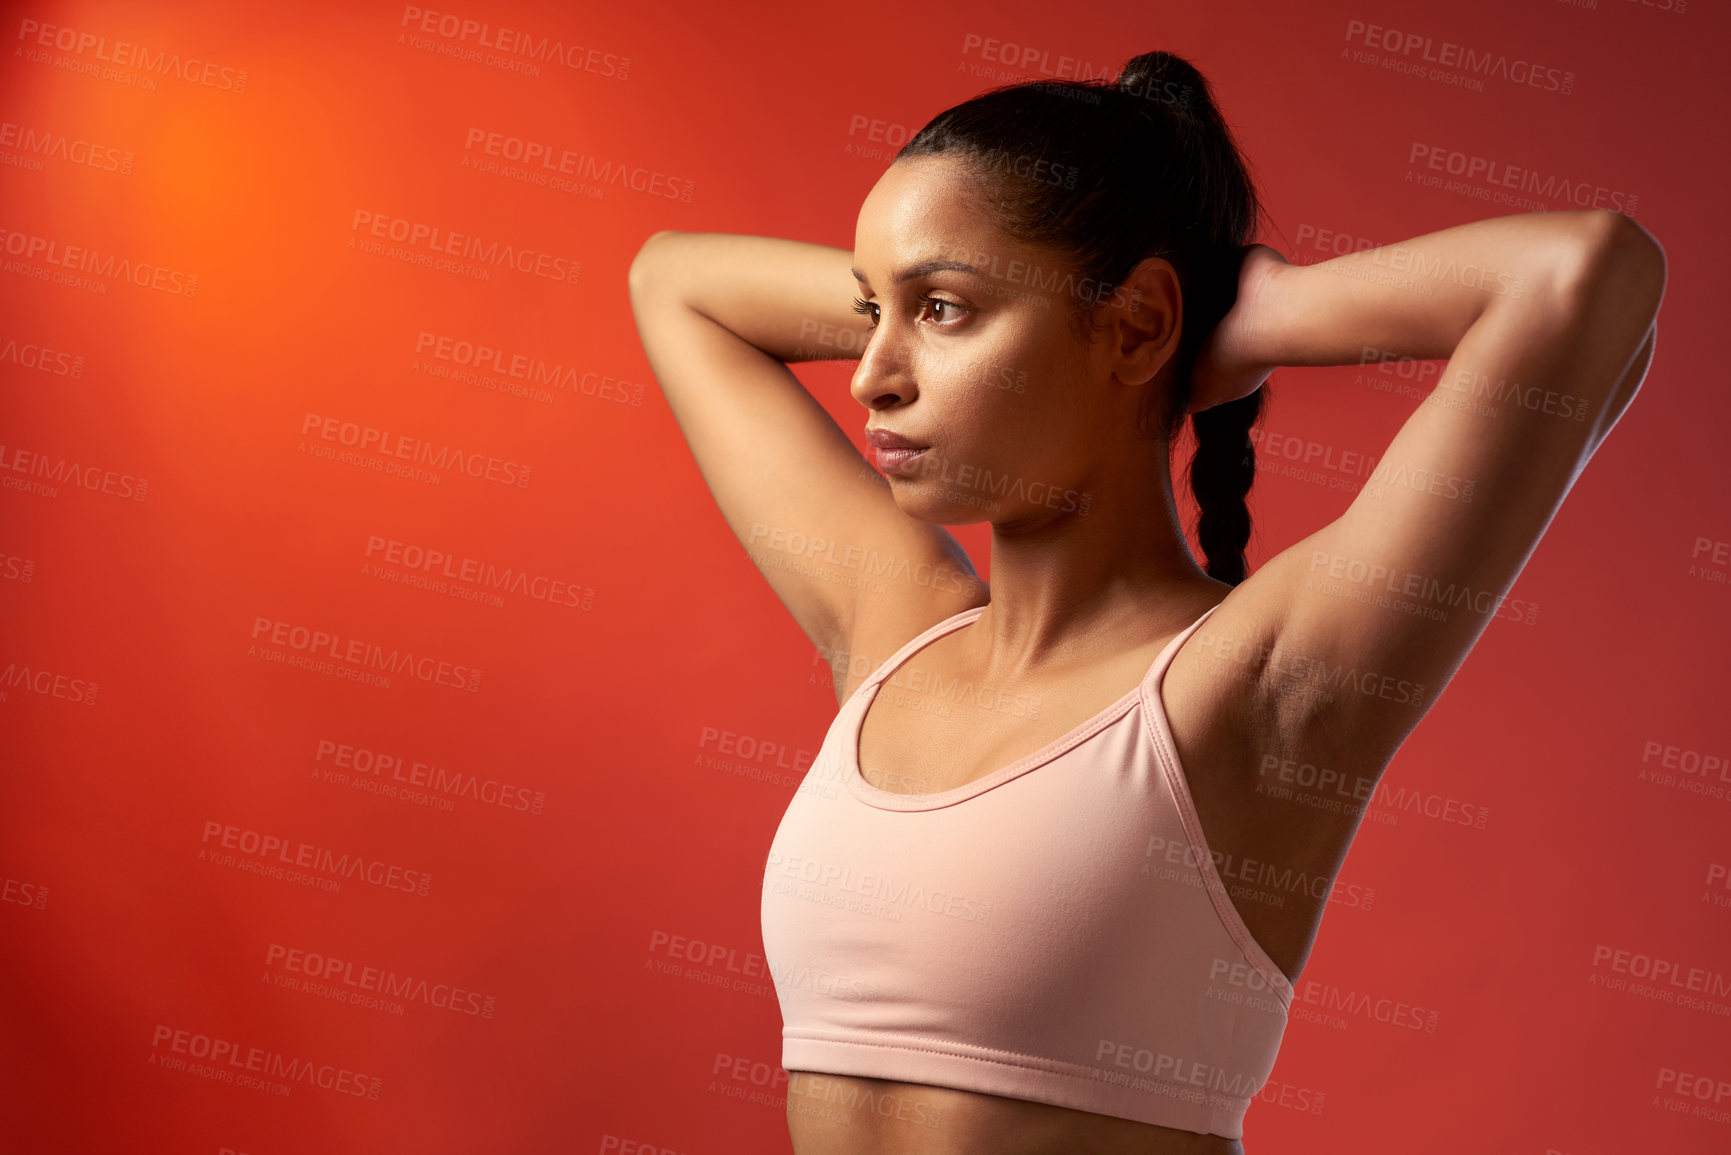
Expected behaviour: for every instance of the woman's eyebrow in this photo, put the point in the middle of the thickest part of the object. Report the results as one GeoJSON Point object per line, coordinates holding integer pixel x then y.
{"type": "Point", "coordinates": [924, 267]}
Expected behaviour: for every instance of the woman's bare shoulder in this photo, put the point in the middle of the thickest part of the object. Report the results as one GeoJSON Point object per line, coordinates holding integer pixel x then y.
{"type": "Point", "coordinates": [884, 625]}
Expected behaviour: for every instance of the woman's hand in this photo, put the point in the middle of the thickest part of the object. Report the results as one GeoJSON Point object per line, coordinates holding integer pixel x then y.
{"type": "Point", "coordinates": [1229, 366]}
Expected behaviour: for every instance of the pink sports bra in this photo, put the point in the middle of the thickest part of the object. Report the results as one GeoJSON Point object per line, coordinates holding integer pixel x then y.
{"type": "Point", "coordinates": [1054, 931]}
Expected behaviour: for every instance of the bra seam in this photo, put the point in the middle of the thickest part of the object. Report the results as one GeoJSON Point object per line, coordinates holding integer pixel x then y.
{"type": "Point", "coordinates": [1037, 1063]}
{"type": "Point", "coordinates": [1051, 752]}
{"type": "Point", "coordinates": [1044, 756]}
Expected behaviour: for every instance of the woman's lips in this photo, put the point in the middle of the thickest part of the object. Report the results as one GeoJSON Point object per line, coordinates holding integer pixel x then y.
{"type": "Point", "coordinates": [896, 460]}
{"type": "Point", "coordinates": [894, 452]}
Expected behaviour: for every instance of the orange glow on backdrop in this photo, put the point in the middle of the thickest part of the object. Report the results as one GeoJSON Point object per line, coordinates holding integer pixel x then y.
{"type": "Point", "coordinates": [305, 358]}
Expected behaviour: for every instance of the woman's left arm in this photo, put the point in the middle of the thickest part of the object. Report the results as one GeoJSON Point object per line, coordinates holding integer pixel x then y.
{"type": "Point", "coordinates": [1547, 321]}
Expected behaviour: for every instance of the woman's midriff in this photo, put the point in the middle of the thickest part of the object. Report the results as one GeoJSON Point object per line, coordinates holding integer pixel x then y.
{"type": "Point", "coordinates": [845, 1115]}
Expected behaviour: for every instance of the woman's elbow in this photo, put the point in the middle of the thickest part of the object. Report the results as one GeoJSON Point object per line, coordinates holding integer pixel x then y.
{"type": "Point", "coordinates": [645, 268]}
{"type": "Point", "coordinates": [1620, 257]}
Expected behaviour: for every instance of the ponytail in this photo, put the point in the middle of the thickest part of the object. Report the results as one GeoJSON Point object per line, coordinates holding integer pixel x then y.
{"type": "Point", "coordinates": [1223, 466]}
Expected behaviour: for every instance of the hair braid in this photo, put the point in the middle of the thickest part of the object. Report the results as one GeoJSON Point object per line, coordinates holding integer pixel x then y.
{"type": "Point", "coordinates": [1221, 473]}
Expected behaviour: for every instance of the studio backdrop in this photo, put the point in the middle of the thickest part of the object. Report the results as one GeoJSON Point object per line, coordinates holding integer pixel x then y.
{"type": "Point", "coordinates": [394, 731]}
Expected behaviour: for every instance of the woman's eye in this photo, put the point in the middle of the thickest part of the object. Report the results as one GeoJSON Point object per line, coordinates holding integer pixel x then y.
{"type": "Point", "coordinates": [951, 309]}
{"type": "Point", "coordinates": [943, 309]}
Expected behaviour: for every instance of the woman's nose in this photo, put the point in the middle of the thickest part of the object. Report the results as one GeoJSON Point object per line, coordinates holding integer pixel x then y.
{"type": "Point", "coordinates": [882, 378]}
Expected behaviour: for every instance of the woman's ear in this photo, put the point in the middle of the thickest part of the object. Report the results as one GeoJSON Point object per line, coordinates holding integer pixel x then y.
{"type": "Point", "coordinates": [1146, 318]}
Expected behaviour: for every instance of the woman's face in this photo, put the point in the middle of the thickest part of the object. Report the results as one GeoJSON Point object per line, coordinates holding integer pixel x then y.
{"type": "Point", "coordinates": [975, 355]}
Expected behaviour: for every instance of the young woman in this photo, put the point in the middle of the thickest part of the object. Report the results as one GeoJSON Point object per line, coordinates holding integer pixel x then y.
{"type": "Point", "coordinates": [1068, 841]}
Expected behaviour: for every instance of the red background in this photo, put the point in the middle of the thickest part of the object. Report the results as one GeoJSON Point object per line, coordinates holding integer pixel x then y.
{"type": "Point", "coordinates": [656, 725]}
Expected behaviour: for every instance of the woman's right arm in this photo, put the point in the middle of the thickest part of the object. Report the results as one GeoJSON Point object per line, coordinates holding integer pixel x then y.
{"type": "Point", "coordinates": [720, 315]}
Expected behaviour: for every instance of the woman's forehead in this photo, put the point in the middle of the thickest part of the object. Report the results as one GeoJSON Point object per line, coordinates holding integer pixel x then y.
{"type": "Point", "coordinates": [922, 211]}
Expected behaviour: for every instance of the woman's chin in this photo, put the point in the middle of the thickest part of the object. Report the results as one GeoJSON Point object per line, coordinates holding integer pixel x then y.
{"type": "Point", "coordinates": [934, 506]}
